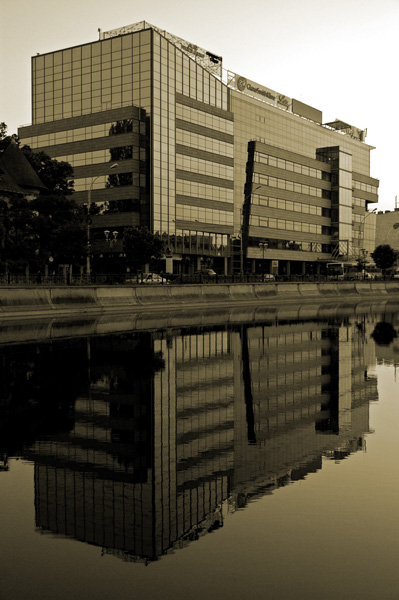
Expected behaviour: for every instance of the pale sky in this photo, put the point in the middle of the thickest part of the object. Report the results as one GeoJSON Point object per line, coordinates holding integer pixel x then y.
{"type": "Point", "coordinates": [339, 56]}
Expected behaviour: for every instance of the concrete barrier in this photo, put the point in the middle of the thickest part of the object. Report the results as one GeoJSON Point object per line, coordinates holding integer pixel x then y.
{"type": "Point", "coordinates": [19, 299]}
{"type": "Point", "coordinates": [73, 296]}
{"type": "Point", "coordinates": [154, 294]}
{"type": "Point", "coordinates": [262, 290]}
{"type": "Point", "coordinates": [346, 288]}
{"type": "Point", "coordinates": [114, 296]}
{"type": "Point", "coordinates": [329, 288]}
{"type": "Point", "coordinates": [186, 294]}
{"type": "Point", "coordinates": [309, 289]}
{"type": "Point", "coordinates": [216, 292]}
{"type": "Point", "coordinates": [288, 290]}
{"type": "Point", "coordinates": [242, 291]}
{"type": "Point", "coordinates": [91, 299]}
{"type": "Point", "coordinates": [363, 287]}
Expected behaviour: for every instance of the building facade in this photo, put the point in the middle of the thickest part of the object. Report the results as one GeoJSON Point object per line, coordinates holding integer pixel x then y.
{"type": "Point", "coordinates": [387, 231]}
{"type": "Point", "coordinates": [231, 174]}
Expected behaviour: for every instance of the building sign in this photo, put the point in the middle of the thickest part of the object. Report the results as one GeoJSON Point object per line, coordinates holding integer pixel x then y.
{"type": "Point", "coordinates": [209, 61]}
{"type": "Point", "coordinates": [246, 86]}
{"type": "Point", "coordinates": [354, 132]}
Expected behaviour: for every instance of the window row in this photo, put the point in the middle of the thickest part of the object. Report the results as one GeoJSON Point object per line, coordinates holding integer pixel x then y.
{"type": "Point", "coordinates": [288, 165]}
{"type": "Point", "coordinates": [86, 107]}
{"type": "Point", "coordinates": [299, 337]}
{"type": "Point", "coordinates": [196, 241]}
{"type": "Point", "coordinates": [365, 187]}
{"type": "Point", "coordinates": [86, 133]}
{"type": "Point", "coordinates": [187, 113]}
{"type": "Point", "coordinates": [114, 47]}
{"type": "Point", "coordinates": [95, 79]}
{"type": "Point", "coordinates": [359, 202]}
{"type": "Point", "coordinates": [110, 181]}
{"type": "Point", "coordinates": [203, 190]}
{"type": "Point", "coordinates": [118, 206]}
{"type": "Point", "coordinates": [203, 215]}
{"type": "Point", "coordinates": [290, 205]}
{"type": "Point", "coordinates": [202, 142]}
{"type": "Point", "coordinates": [87, 66]}
{"type": "Point", "coordinates": [204, 167]}
{"type": "Point", "coordinates": [291, 186]}
{"type": "Point", "coordinates": [291, 245]}
{"type": "Point", "coordinates": [103, 156]}
{"type": "Point", "coordinates": [195, 82]}
{"type": "Point", "coordinates": [287, 225]}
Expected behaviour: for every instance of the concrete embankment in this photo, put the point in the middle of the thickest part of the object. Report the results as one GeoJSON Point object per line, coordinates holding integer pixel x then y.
{"type": "Point", "coordinates": [40, 301]}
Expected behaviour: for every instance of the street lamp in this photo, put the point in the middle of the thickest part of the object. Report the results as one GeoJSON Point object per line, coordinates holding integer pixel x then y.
{"type": "Point", "coordinates": [263, 245]}
{"type": "Point", "coordinates": [88, 245]}
{"type": "Point", "coordinates": [362, 224]}
{"type": "Point", "coordinates": [110, 240]}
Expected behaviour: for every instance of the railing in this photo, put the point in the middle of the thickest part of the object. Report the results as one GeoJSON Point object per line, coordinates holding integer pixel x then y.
{"type": "Point", "coordinates": [10, 279]}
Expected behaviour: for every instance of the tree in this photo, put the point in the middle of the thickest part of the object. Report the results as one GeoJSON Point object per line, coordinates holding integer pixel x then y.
{"type": "Point", "coordinates": [384, 257]}
{"type": "Point", "coordinates": [33, 231]}
{"type": "Point", "coordinates": [141, 246]}
{"type": "Point", "coordinates": [56, 175]}
{"type": "Point", "coordinates": [52, 225]}
{"type": "Point", "coordinates": [60, 230]}
{"type": "Point", "coordinates": [4, 137]}
{"type": "Point", "coordinates": [384, 334]}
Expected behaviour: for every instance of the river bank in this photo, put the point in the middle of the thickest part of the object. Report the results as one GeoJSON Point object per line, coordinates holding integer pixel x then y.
{"type": "Point", "coordinates": [36, 302]}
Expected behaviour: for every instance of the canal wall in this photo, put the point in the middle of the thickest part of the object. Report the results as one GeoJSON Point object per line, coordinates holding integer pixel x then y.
{"type": "Point", "coordinates": [36, 301]}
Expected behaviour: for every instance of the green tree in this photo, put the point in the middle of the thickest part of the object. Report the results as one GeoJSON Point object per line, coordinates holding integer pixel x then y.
{"type": "Point", "coordinates": [384, 257]}
{"type": "Point", "coordinates": [141, 246]}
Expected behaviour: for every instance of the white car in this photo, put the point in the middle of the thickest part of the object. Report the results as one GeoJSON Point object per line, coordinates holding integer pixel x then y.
{"type": "Point", "coordinates": [153, 278]}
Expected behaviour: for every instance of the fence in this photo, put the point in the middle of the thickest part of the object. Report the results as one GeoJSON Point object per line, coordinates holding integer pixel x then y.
{"type": "Point", "coordinates": [10, 279]}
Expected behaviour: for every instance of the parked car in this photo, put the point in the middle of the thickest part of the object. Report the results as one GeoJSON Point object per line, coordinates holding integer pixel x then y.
{"type": "Point", "coordinates": [206, 272]}
{"type": "Point", "coordinates": [153, 278]}
{"type": "Point", "coordinates": [268, 277]}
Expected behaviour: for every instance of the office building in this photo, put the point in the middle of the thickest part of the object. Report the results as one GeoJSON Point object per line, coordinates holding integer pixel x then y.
{"type": "Point", "coordinates": [231, 174]}
{"type": "Point", "coordinates": [387, 229]}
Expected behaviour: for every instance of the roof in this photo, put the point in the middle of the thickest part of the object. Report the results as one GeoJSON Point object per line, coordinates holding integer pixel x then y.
{"type": "Point", "coordinates": [16, 173]}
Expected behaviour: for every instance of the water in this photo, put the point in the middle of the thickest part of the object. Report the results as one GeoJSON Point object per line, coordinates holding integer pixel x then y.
{"type": "Point", "coordinates": [250, 459]}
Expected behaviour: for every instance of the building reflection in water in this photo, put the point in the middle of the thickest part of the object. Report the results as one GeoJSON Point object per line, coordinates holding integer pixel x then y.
{"type": "Point", "coordinates": [165, 432]}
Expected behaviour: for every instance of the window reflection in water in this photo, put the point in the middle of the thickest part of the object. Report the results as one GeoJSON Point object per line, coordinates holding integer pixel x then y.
{"type": "Point", "coordinates": [185, 423]}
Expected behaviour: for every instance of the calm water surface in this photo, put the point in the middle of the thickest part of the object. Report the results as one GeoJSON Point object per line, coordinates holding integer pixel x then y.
{"type": "Point", "coordinates": [254, 459]}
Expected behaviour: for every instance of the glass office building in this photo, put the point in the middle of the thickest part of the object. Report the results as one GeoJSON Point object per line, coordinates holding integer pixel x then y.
{"type": "Point", "coordinates": [229, 173]}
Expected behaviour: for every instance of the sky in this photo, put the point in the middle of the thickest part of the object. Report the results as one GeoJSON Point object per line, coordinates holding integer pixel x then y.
{"type": "Point", "coordinates": [339, 57]}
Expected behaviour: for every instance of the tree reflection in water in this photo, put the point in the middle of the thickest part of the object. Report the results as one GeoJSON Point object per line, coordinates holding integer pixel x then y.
{"type": "Point", "coordinates": [142, 441]}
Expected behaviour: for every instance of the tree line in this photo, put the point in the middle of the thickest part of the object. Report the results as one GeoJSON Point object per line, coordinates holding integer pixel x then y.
{"type": "Point", "coordinates": [52, 228]}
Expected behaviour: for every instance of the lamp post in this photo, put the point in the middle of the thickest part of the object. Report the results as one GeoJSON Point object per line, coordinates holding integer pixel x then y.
{"type": "Point", "coordinates": [363, 220]}
{"type": "Point", "coordinates": [88, 244]}
{"type": "Point", "coordinates": [263, 245]}
{"type": "Point", "coordinates": [111, 240]}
